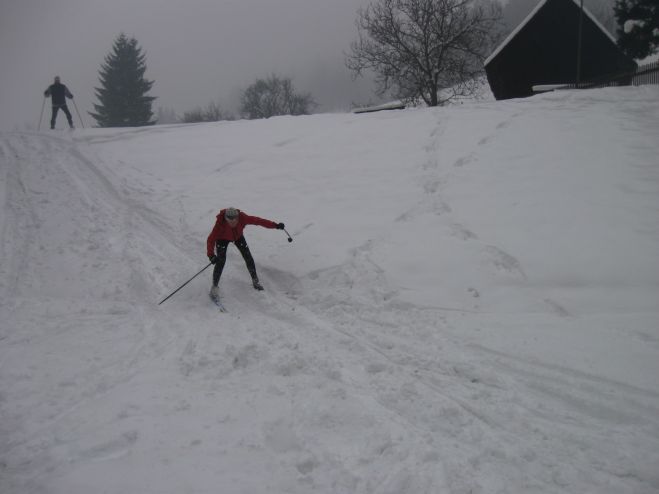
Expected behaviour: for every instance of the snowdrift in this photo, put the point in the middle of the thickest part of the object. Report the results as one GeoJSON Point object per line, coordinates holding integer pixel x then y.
{"type": "Point", "coordinates": [469, 304]}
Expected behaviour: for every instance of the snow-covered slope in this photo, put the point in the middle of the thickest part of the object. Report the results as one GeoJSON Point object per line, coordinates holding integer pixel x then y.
{"type": "Point", "coordinates": [469, 304]}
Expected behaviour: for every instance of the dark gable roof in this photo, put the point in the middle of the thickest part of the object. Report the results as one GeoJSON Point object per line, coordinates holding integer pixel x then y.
{"type": "Point", "coordinates": [543, 50]}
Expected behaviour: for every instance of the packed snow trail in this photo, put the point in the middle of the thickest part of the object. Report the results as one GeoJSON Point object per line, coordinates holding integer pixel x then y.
{"type": "Point", "coordinates": [408, 341]}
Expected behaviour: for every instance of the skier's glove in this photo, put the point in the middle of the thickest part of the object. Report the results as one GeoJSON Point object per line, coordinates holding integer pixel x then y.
{"type": "Point", "coordinates": [280, 226]}
{"type": "Point", "coordinates": [212, 259]}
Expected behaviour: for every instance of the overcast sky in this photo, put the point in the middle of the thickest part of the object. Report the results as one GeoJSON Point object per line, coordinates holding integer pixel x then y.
{"type": "Point", "coordinates": [197, 51]}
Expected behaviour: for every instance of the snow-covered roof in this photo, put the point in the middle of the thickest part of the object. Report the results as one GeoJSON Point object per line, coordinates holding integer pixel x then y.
{"type": "Point", "coordinates": [531, 15]}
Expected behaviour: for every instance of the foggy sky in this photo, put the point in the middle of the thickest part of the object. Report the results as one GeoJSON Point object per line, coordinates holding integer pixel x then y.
{"type": "Point", "coordinates": [197, 51]}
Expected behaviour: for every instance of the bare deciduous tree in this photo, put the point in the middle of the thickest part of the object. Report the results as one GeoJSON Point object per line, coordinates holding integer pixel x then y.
{"type": "Point", "coordinates": [417, 47]}
{"type": "Point", "coordinates": [274, 96]}
{"type": "Point", "coordinates": [212, 113]}
{"type": "Point", "coordinates": [166, 115]}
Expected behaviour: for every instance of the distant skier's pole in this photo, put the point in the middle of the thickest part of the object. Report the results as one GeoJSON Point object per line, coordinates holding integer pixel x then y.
{"type": "Point", "coordinates": [290, 239]}
{"type": "Point", "coordinates": [41, 115]}
{"type": "Point", "coordinates": [167, 297]}
{"type": "Point", "coordinates": [79, 117]}
{"type": "Point", "coordinates": [579, 36]}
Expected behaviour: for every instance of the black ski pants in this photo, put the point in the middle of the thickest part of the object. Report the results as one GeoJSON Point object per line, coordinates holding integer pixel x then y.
{"type": "Point", "coordinates": [66, 111]}
{"type": "Point", "coordinates": [221, 253]}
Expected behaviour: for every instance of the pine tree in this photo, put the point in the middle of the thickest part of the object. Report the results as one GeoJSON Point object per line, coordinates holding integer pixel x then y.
{"type": "Point", "coordinates": [122, 95]}
{"type": "Point", "coordinates": [638, 26]}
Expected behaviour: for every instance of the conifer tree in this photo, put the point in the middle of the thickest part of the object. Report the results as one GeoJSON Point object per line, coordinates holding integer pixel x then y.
{"type": "Point", "coordinates": [122, 95]}
{"type": "Point", "coordinates": [638, 26]}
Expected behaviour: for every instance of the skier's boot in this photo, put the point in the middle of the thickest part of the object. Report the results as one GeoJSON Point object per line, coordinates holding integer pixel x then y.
{"type": "Point", "coordinates": [215, 293]}
{"type": "Point", "coordinates": [256, 283]}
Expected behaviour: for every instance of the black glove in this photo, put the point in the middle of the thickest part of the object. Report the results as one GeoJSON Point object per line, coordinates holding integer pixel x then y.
{"type": "Point", "coordinates": [280, 226]}
{"type": "Point", "coordinates": [212, 259]}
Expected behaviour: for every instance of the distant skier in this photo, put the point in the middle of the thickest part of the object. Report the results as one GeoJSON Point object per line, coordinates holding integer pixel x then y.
{"type": "Point", "coordinates": [58, 93]}
{"type": "Point", "coordinates": [229, 228]}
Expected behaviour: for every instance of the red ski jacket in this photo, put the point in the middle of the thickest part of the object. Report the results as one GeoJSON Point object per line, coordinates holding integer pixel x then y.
{"type": "Point", "coordinates": [222, 230]}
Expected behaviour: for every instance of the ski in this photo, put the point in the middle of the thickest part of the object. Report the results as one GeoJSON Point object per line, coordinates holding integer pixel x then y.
{"type": "Point", "coordinates": [219, 303]}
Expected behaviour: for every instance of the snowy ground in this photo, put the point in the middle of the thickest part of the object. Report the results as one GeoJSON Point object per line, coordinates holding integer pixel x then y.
{"type": "Point", "coordinates": [470, 303]}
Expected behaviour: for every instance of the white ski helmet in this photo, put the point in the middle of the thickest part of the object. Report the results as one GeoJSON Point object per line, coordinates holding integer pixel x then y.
{"type": "Point", "coordinates": [231, 213]}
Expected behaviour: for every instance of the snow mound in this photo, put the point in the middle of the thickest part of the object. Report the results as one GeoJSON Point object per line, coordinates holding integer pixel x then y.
{"type": "Point", "coordinates": [469, 303]}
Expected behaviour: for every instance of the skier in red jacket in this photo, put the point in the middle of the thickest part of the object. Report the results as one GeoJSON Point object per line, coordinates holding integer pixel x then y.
{"type": "Point", "coordinates": [229, 228]}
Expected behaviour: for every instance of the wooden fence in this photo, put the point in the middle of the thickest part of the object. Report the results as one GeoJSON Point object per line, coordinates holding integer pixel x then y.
{"type": "Point", "coordinates": [644, 74]}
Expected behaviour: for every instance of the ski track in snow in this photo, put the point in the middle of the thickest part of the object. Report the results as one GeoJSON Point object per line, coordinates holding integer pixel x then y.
{"type": "Point", "coordinates": [331, 382]}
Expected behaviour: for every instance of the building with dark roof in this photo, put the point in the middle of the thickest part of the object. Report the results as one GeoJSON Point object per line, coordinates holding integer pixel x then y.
{"type": "Point", "coordinates": [542, 50]}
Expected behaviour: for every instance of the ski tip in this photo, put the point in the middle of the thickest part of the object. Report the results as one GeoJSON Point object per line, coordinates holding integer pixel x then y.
{"type": "Point", "coordinates": [218, 303]}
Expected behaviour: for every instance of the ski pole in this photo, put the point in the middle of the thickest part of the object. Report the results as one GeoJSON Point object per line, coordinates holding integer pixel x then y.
{"type": "Point", "coordinates": [79, 117]}
{"type": "Point", "coordinates": [41, 115]}
{"type": "Point", "coordinates": [290, 239]}
{"type": "Point", "coordinates": [167, 297]}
